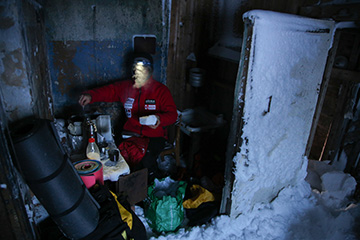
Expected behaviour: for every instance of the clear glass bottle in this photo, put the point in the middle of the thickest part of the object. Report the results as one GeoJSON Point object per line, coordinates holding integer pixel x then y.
{"type": "Point", "coordinates": [92, 150]}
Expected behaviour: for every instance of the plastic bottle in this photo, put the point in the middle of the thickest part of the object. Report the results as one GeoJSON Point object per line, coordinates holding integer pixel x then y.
{"type": "Point", "coordinates": [92, 150]}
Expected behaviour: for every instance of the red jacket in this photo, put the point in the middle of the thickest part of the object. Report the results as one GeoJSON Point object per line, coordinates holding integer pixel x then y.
{"type": "Point", "coordinates": [153, 98]}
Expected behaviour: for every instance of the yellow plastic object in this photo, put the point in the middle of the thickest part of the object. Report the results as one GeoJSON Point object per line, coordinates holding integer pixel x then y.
{"type": "Point", "coordinates": [200, 194]}
{"type": "Point", "coordinates": [125, 214]}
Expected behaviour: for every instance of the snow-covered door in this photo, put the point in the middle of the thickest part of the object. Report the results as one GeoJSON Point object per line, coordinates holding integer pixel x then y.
{"type": "Point", "coordinates": [280, 78]}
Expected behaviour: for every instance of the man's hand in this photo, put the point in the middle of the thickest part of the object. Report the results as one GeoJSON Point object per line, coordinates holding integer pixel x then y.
{"type": "Point", "coordinates": [157, 123]}
{"type": "Point", "coordinates": [85, 99]}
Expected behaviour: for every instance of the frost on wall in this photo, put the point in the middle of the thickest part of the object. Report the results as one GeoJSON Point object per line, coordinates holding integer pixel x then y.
{"type": "Point", "coordinates": [287, 60]}
{"type": "Point", "coordinates": [14, 79]}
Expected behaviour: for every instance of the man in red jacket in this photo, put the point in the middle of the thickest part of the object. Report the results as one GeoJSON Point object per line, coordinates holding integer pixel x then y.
{"type": "Point", "coordinates": [141, 96]}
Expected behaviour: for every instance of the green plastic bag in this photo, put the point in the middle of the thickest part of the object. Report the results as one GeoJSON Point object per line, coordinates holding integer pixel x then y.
{"type": "Point", "coordinates": [164, 211]}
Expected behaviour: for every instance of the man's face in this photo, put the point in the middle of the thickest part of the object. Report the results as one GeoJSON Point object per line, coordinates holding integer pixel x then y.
{"type": "Point", "coordinates": [141, 75]}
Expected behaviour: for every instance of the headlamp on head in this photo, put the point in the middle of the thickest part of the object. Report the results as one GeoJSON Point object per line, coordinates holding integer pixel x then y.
{"type": "Point", "coordinates": [142, 61]}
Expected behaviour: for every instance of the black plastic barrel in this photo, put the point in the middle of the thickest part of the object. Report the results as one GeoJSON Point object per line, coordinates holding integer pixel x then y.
{"type": "Point", "coordinates": [52, 178]}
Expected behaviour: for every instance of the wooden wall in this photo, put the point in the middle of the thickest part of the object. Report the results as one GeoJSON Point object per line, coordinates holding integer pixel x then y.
{"type": "Point", "coordinates": [338, 130]}
{"type": "Point", "coordinates": [340, 98]}
{"type": "Point", "coordinates": [194, 29]}
{"type": "Point", "coordinates": [189, 33]}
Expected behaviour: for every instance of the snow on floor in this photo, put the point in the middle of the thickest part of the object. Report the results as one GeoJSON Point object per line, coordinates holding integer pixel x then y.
{"type": "Point", "coordinates": [296, 213]}
{"type": "Point", "coordinates": [318, 207]}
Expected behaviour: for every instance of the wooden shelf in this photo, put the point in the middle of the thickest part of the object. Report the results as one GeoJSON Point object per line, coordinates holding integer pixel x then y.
{"type": "Point", "coordinates": [346, 75]}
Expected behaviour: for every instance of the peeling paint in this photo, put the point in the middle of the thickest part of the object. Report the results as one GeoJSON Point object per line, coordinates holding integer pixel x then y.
{"type": "Point", "coordinates": [76, 66]}
{"type": "Point", "coordinates": [14, 72]}
{"type": "Point", "coordinates": [107, 20]}
{"type": "Point", "coordinates": [6, 22]}
{"type": "Point", "coordinates": [2, 46]}
{"type": "Point", "coordinates": [14, 114]}
{"type": "Point", "coordinates": [15, 86]}
{"type": "Point", "coordinates": [65, 53]}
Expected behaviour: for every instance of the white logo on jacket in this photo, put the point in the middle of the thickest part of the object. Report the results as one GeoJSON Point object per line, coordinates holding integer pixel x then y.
{"type": "Point", "coordinates": [128, 106]}
{"type": "Point", "coordinates": [150, 104]}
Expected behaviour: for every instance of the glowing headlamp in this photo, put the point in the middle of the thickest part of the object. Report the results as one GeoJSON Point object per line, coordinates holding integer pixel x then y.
{"type": "Point", "coordinates": [142, 61]}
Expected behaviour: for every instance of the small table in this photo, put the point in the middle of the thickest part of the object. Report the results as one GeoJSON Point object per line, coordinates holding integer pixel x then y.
{"type": "Point", "coordinates": [194, 123]}
{"type": "Point", "coordinates": [113, 170]}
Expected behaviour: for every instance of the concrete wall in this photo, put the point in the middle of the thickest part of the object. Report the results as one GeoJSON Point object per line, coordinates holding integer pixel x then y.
{"type": "Point", "coordinates": [89, 43]}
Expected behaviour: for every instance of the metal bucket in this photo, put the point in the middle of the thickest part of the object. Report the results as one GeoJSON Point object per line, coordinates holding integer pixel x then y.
{"type": "Point", "coordinates": [196, 77]}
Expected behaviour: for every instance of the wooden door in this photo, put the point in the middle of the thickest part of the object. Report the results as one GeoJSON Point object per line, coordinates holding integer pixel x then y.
{"type": "Point", "coordinates": [278, 85]}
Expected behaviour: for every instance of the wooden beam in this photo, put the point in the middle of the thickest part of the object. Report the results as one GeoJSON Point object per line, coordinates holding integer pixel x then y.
{"type": "Point", "coordinates": [346, 75]}
{"type": "Point", "coordinates": [14, 219]}
{"type": "Point", "coordinates": [234, 140]}
{"type": "Point", "coordinates": [322, 92]}
{"type": "Point", "coordinates": [355, 53]}
{"type": "Point", "coordinates": [340, 12]}
{"type": "Point", "coordinates": [339, 125]}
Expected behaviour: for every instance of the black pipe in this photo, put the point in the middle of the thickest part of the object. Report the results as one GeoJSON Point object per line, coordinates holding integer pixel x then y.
{"type": "Point", "coordinates": [53, 179]}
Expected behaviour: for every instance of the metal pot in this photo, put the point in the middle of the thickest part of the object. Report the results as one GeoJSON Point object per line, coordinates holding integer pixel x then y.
{"type": "Point", "coordinates": [196, 77]}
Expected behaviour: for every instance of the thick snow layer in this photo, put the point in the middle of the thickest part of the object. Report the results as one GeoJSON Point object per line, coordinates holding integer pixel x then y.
{"type": "Point", "coordinates": [288, 55]}
{"type": "Point", "coordinates": [296, 213]}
